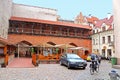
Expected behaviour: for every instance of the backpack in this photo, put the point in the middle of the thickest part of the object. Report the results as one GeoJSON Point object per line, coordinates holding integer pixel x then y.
{"type": "Point", "coordinates": [92, 57]}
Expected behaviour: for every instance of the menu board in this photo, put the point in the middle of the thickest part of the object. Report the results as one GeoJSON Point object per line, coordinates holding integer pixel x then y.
{"type": "Point", "coordinates": [1, 51]}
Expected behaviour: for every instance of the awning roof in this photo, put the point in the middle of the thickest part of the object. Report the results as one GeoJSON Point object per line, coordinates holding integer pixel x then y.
{"type": "Point", "coordinates": [50, 22]}
{"type": "Point", "coordinates": [64, 46]}
{"type": "Point", "coordinates": [78, 48]}
{"type": "Point", "coordinates": [4, 41]}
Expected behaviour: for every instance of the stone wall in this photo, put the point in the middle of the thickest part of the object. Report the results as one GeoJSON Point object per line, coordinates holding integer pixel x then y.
{"type": "Point", "coordinates": [34, 12]}
{"type": "Point", "coordinates": [5, 14]}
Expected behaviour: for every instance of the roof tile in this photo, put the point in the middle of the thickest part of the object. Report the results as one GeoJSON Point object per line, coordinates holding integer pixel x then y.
{"type": "Point", "coordinates": [50, 22]}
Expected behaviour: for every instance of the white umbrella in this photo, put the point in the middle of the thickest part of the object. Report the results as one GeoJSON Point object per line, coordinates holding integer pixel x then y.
{"type": "Point", "coordinates": [59, 45]}
{"type": "Point", "coordinates": [76, 48]}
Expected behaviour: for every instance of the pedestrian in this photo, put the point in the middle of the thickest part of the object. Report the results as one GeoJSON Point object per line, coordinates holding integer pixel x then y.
{"type": "Point", "coordinates": [99, 58]}
{"type": "Point", "coordinates": [94, 61]}
{"type": "Point", "coordinates": [114, 75]}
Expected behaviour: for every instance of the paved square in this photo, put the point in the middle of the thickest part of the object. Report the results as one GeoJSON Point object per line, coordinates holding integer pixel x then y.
{"type": "Point", "coordinates": [55, 72]}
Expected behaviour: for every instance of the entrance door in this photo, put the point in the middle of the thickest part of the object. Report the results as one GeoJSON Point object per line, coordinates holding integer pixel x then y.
{"type": "Point", "coordinates": [24, 49]}
{"type": "Point", "coordinates": [109, 53]}
{"type": "Point", "coordinates": [103, 53]}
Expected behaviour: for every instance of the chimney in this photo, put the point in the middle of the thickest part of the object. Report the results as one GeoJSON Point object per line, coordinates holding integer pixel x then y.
{"type": "Point", "coordinates": [108, 16]}
{"type": "Point", "coordinates": [90, 15]}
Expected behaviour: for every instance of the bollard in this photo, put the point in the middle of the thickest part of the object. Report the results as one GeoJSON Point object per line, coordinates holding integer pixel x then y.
{"type": "Point", "coordinates": [114, 75]}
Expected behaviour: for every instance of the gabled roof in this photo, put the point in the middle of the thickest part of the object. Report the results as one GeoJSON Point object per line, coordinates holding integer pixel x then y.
{"type": "Point", "coordinates": [80, 18]}
{"type": "Point", "coordinates": [109, 22]}
{"type": "Point", "coordinates": [100, 22]}
{"type": "Point", "coordinates": [92, 19]}
{"type": "Point", "coordinates": [50, 22]}
{"type": "Point", "coordinates": [105, 20]}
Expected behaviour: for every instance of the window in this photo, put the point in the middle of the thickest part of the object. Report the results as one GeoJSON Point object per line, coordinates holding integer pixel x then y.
{"type": "Point", "coordinates": [93, 41]}
{"type": "Point", "coordinates": [97, 31]}
{"type": "Point", "coordinates": [103, 28]}
{"type": "Point", "coordinates": [109, 39]}
{"type": "Point", "coordinates": [103, 52]}
{"type": "Point", "coordinates": [93, 31]}
{"type": "Point", "coordinates": [96, 41]}
{"type": "Point", "coordinates": [1, 51]}
{"type": "Point", "coordinates": [103, 40]}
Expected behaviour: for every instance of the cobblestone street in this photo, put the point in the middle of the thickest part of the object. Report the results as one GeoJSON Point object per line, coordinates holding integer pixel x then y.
{"type": "Point", "coordinates": [55, 72]}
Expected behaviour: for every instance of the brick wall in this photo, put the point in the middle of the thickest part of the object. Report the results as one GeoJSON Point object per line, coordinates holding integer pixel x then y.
{"type": "Point", "coordinates": [36, 40]}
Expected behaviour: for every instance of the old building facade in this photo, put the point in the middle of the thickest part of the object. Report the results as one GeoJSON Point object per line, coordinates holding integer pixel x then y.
{"type": "Point", "coordinates": [5, 14]}
{"type": "Point", "coordinates": [34, 12]}
{"type": "Point", "coordinates": [103, 37]}
{"type": "Point", "coordinates": [31, 27]}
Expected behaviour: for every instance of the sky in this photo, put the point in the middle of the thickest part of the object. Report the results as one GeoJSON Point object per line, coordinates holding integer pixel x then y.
{"type": "Point", "coordinates": [69, 9]}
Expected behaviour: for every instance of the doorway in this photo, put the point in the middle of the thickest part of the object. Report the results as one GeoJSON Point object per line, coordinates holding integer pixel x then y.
{"type": "Point", "coordinates": [23, 49]}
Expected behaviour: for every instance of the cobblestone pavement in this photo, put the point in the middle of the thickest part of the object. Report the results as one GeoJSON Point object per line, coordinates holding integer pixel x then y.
{"type": "Point", "coordinates": [55, 72]}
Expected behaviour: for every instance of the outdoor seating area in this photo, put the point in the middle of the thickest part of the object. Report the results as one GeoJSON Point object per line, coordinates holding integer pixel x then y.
{"type": "Point", "coordinates": [49, 57]}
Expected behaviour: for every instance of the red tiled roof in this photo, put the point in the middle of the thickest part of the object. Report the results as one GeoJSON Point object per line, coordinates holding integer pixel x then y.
{"type": "Point", "coordinates": [108, 22]}
{"type": "Point", "coordinates": [50, 22]}
{"type": "Point", "coordinates": [92, 19]}
{"type": "Point", "coordinates": [105, 20]}
{"type": "Point", "coordinates": [100, 22]}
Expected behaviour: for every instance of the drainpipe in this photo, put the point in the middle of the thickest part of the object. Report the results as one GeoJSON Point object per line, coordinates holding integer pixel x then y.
{"type": "Point", "coordinates": [99, 44]}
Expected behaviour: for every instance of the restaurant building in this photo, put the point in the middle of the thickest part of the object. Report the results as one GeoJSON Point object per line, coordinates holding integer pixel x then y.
{"type": "Point", "coordinates": [38, 28]}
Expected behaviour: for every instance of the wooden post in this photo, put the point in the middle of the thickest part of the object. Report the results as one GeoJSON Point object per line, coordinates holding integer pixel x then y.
{"type": "Point", "coordinates": [6, 56]}
{"type": "Point", "coordinates": [34, 59]}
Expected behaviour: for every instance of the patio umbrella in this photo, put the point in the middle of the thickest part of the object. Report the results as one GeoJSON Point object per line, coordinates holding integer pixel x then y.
{"type": "Point", "coordinates": [59, 45]}
{"type": "Point", "coordinates": [64, 46]}
{"type": "Point", "coordinates": [47, 45]}
{"type": "Point", "coordinates": [76, 48]}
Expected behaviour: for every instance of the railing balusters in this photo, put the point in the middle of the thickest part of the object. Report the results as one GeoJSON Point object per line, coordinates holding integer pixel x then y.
{"type": "Point", "coordinates": [46, 32]}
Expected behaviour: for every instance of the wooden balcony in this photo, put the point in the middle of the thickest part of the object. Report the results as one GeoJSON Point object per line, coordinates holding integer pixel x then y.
{"type": "Point", "coordinates": [46, 33]}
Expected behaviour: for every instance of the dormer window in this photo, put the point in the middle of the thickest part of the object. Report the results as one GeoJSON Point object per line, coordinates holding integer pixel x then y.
{"type": "Point", "coordinates": [97, 30]}
{"type": "Point", "coordinates": [103, 28]}
{"type": "Point", "coordinates": [93, 31]}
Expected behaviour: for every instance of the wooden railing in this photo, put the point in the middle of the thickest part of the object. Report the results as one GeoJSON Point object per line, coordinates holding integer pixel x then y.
{"type": "Point", "coordinates": [53, 58]}
{"type": "Point", "coordinates": [47, 32]}
{"type": "Point", "coordinates": [49, 57]}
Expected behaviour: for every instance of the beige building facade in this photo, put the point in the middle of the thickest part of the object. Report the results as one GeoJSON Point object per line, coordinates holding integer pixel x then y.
{"type": "Point", "coordinates": [9, 9]}
{"type": "Point", "coordinates": [5, 14]}
{"type": "Point", "coordinates": [103, 37]}
{"type": "Point", "coordinates": [116, 12]}
{"type": "Point", "coordinates": [34, 12]}
{"type": "Point", "coordinates": [103, 43]}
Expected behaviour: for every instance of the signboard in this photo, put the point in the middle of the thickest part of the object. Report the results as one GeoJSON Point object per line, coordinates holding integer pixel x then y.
{"type": "Point", "coordinates": [1, 51]}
